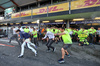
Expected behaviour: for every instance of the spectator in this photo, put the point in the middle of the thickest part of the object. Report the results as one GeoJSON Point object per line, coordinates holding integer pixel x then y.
{"type": "Point", "coordinates": [98, 35]}
{"type": "Point", "coordinates": [26, 29]}
{"type": "Point", "coordinates": [35, 37]}
{"type": "Point", "coordinates": [21, 29]}
{"type": "Point", "coordinates": [91, 38]}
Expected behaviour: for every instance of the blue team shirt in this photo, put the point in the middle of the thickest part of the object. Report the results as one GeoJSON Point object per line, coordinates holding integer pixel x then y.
{"type": "Point", "coordinates": [24, 35]}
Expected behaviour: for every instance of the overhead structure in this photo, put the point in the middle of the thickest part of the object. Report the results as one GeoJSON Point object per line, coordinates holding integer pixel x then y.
{"type": "Point", "coordinates": [16, 3]}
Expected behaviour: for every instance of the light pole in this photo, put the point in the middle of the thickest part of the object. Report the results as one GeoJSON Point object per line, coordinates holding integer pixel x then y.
{"type": "Point", "coordinates": [38, 22]}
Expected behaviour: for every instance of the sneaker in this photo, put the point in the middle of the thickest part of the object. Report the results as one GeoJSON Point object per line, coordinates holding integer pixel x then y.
{"type": "Point", "coordinates": [36, 54]}
{"type": "Point", "coordinates": [20, 56]}
{"type": "Point", "coordinates": [54, 49]}
{"type": "Point", "coordinates": [61, 61]}
{"type": "Point", "coordinates": [48, 51]}
{"type": "Point", "coordinates": [9, 42]}
{"type": "Point", "coordinates": [67, 55]}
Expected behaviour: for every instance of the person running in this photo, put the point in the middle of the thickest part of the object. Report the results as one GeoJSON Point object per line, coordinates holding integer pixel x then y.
{"type": "Point", "coordinates": [51, 37]}
{"type": "Point", "coordinates": [26, 42]}
{"type": "Point", "coordinates": [14, 36]}
{"type": "Point", "coordinates": [67, 43]}
{"type": "Point", "coordinates": [35, 37]}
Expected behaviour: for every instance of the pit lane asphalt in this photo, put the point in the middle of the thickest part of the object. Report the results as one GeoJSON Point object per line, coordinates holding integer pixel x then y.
{"type": "Point", "coordinates": [8, 57]}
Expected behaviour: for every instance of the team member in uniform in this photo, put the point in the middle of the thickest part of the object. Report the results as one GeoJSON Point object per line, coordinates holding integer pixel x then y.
{"type": "Point", "coordinates": [98, 35]}
{"type": "Point", "coordinates": [69, 31]}
{"type": "Point", "coordinates": [83, 37]}
{"type": "Point", "coordinates": [31, 36]}
{"type": "Point", "coordinates": [27, 42]}
{"type": "Point", "coordinates": [86, 33]}
{"type": "Point", "coordinates": [51, 37]}
{"type": "Point", "coordinates": [91, 38]}
{"type": "Point", "coordinates": [78, 33]}
{"type": "Point", "coordinates": [56, 37]}
{"type": "Point", "coordinates": [35, 37]}
{"type": "Point", "coordinates": [26, 29]}
{"type": "Point", "coordinates": [67, 43]}
{"type": "Point", "coordinates": [74, 34]}
{"type": "Point", "coordinates": [48, 29]}
{"type": "Point", "coordinates": [94, 35]}
{"type": "Point", "coordinates": [51, 30]}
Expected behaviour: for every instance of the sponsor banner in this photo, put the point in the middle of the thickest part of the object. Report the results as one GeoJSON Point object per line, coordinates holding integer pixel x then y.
{"type": "Point", "coordinates": [15, 15]}
{"type": "Point", "coordinates": [43, 10]}
{"type": "Point", "coordinates": [84, 4]}
{"type": "Point", "coordinates": [58, 8]}
{"type": "Point", "coordinates": [40, 11]}
{"type": "Point", "coordinates": [84, 22]}
{"type": "Point", "coordinates": [51, 9]}
{"type": "Point", "coordinates": [26, 13]}
{"type": "Point", "coordinates": [22, 14]}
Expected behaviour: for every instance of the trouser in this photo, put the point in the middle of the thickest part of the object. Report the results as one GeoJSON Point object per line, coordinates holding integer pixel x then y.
{"type": "Point", "coordinates": [49, 43]}
{"type": "Point", "coordinates": [20, 41]}
{"type": "Point", "coordinates": [14, 36]}
{"type": "Point", "coordinates": [91, 39]}
{"type": "Point", "coordinates": [36, 42]}
{"type": "Point", "coordinates": [28, 43]}
{"type": "Point", "coordinates": [31, 36]}
{"type": "Point", "coordinates": [97, 38]}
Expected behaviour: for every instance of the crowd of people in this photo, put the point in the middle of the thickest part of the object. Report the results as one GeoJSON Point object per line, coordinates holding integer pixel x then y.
{"type": "Point", "coordinates": [25, 37]}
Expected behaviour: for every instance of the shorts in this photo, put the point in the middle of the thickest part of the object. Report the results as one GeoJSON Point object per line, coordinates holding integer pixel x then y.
{"type": "Point", "coordinates": [65, 46]}
{"type": "Point", "coordinates": [70, 35]}
{"type": "Point", "coordinates": [39, 35]}
{"type": "Point", "coordinates": [73, 35]}
{"type": "Point", "coordinates": [99, 38]}
{"type": "Point", "coordinates": [57, 36]}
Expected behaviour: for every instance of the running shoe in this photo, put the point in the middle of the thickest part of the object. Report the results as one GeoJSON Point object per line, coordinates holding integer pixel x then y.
{"type": "Point", "coordinates": [48, 51]}
{"type": "Point", "coordinates": [54, 49]}
{"type": "Point", "coordinates": [67, 55]}
{"type": "Point", "coordinates": [61, 61]}
{"type": "Point", "coordinates": [35, 54]}
{"type": "Point", "coordinates": [20, 56]}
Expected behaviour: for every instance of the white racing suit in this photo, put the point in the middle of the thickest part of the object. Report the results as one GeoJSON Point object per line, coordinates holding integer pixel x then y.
{"type": "Point", "coordinates": [28, 43]}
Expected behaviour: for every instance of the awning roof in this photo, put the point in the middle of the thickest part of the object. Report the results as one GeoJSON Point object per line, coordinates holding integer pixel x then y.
{"type": "Point", "coordinates": [10, 3]}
